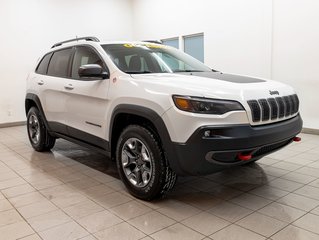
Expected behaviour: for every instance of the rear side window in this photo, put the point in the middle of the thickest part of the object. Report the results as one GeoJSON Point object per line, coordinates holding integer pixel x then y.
{"type": "Point", "coordinates": [59, 64]}
{"type": "Point", "coordinates": [43, 65]}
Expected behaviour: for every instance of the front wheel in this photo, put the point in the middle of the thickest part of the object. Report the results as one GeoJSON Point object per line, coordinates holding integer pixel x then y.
{"type": "Point", "coordinates": [39, 136]}
{"type": "Point", "coordinates": [142, 165]}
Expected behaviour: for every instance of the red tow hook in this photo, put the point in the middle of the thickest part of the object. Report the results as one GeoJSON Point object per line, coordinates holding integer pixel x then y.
{"type": "Point", "coordinates": [244, 157]}
{"type": "Point", "coordinates": [296, 139]}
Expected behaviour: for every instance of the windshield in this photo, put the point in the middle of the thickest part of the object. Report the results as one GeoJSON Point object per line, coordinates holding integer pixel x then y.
{"type": "Point", "coordinates": [152, 58]}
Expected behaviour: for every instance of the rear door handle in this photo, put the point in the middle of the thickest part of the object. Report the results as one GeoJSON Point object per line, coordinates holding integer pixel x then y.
{"type": "Point", "coordinates": [69, 87]}
{"type": "Point", "coordinates": [40, 82]}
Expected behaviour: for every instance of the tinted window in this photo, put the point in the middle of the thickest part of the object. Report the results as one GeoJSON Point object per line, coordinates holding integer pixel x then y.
{"type": "Point", "coordinates": [43, 65]}
{"type": "Point", "coordinates": [83, 56]}
{"type": "Point", "coordinates": [59, 63]}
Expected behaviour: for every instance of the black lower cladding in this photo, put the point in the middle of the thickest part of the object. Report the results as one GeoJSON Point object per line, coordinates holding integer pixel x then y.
{"type": "Point", "coordinates": [79, 137]}
{"type": "Point", "coordinates": [202, 154]}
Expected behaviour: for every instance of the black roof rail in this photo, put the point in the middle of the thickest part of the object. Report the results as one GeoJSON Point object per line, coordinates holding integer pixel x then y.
{"type": "Point", "coordinates": [93, 39]}
{"type": "Point", "coordinates": [154, 41]}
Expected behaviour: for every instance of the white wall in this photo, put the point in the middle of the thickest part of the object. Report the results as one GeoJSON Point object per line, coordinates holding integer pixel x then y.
{"type": "Point", "coordinates": [276, 39]}
{"type": "Point", "coordinates": [237, 34]}
{"type": "Point", "coordinates": [28, 28]}
{"type": "Point", "coordinates": [296, 52]}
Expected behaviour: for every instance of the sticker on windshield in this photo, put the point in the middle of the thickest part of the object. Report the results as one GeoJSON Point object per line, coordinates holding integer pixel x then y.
{"type": "Point", "coordinates": [128, 45]}
{"type": "Point", "coordinates": [148, 45]}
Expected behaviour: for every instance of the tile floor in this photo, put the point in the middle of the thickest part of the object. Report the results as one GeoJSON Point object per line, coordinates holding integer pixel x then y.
{"type": "Point", "coordinates": [74, 193]}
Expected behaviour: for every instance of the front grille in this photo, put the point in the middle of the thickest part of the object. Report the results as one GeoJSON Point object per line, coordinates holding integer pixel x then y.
{"type": "Point", "coordinates": [265, 109]}
{"type": "Point", "coordinates": [273, 108]}
{"type": "Point", "coordinates": [281, 105]}
{"type": "Point", "coordinates": [255, 110]}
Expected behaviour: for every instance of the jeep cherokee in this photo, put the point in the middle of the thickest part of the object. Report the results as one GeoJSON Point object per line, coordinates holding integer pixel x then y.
{"type": "Point", "coordinates": [155, 110]}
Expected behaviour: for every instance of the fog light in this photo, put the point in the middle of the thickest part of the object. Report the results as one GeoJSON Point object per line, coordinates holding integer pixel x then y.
{"type": "Point", "coordinates": [207, 133]}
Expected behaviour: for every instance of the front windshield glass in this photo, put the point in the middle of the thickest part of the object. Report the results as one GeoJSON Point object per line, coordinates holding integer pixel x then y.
{"type": "Point", "coordinates": [152, 58]}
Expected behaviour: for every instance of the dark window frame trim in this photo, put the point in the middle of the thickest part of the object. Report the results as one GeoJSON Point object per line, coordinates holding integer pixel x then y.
{"type": "Point", "coordinates": [70, 62]}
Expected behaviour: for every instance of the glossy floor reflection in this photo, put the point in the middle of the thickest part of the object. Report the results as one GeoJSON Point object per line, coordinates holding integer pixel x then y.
{"type": "Point", "coordinates": [75, 193]}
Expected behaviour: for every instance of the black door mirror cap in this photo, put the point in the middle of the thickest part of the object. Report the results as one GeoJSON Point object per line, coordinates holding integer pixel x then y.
{"type": "Point", "coordinates": [92, 71]}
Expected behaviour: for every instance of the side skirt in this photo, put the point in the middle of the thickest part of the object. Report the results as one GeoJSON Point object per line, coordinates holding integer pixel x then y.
{"type": "Point", "coordinates": [79, 137]}
{"type": "Point", "coordinates": [84, 144]}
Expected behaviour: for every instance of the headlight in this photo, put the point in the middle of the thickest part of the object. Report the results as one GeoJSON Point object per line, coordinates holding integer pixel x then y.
{"type": "Point", "coordinates": [205, 105]}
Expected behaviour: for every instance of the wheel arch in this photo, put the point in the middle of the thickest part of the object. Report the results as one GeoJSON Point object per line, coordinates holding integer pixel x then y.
{"type": "Point", "coordinates": [32, 100]}
{"type": "Point", "coordinates": [127, 114]}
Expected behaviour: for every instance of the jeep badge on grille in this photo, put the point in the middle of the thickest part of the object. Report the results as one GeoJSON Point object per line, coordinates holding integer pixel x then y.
{"type": "Point", "coordinates": [273, 92]}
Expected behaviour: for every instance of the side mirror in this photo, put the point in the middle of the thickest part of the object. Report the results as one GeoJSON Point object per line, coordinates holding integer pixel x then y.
{"type": "Point", "coordinates": [92, 71]}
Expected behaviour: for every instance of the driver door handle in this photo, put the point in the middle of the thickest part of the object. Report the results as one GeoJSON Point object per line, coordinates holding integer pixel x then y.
{"type": "Point", "coordinates": [69, 87]}
{"type": "Point", "coordinates": [40, 82]}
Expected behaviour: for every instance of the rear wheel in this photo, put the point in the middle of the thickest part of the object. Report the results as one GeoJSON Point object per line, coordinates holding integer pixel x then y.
{"type": "Point", "coordinates": [142, 164]}
{"type": "Point", "coordinates": [39, 136]}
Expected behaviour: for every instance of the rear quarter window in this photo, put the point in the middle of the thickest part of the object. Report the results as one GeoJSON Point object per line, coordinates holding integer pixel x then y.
{"type": "Point", "coordinates": [43, 65]}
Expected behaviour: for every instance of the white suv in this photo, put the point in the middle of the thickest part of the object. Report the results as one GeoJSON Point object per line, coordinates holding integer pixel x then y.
{"type": "Point", "coordinates": [159, 112]}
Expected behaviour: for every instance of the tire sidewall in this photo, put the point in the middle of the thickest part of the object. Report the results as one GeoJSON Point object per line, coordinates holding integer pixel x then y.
{"type": "Point", "coordinates": [39, 145]}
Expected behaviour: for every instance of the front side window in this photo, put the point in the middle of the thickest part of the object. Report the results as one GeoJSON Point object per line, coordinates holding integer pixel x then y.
{"type": "Point", "coordinates": [43, 65]}
{"type": "Point", "coordinates": [84, 55]}
{"type": "Point", "coordinates": [152, 58]}
{"type": "Point", "coordinates": [59, 63]}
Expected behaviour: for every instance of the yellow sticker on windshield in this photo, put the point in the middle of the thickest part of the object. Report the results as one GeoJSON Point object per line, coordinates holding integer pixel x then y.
{"type": "Point", "coordinates": [148, 45]}
{"type": "Point", "coordinates": [128, 45]}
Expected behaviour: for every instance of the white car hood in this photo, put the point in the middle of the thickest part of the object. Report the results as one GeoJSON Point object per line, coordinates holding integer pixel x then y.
{"type": "Point", "coordinates": [215, 85]}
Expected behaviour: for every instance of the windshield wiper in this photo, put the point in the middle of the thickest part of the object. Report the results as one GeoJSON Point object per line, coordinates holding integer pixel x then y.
{"type": "Point", "coordinates": [137, 72]}
{"type": "Point", "coordinates": [187, 70]}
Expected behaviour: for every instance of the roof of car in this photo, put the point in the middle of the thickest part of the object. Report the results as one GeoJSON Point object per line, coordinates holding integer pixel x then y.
{"type": "Point", "coordinates": [94, 40]}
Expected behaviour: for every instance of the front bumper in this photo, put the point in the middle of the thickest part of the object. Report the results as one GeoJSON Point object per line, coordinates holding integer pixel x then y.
{"type": "Point", "coordinates": [213, 148]}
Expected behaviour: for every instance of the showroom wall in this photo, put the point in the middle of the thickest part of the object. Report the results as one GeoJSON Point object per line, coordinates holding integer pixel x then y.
{"type": "Point", "coordinates": [296, 52]}
{"type": "Point", "coordinates": [275, 39]}
{"type": "Point", "coordinates": [30, 27]}
{"type": "Point", "coordinates": [237, 34]}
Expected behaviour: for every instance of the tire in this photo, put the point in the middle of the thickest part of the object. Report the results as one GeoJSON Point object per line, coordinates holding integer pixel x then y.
{"type": "Point", "coordinates": [142, 165]}
{"type": "Point", "coordinates": [38, 134]}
